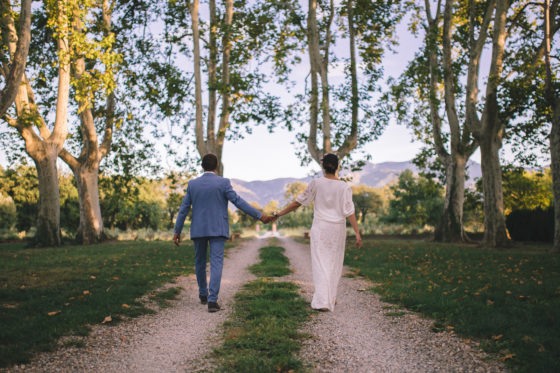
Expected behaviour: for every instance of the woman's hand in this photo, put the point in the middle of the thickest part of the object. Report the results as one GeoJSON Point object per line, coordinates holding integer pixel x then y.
{"type": "Point", "coordinates": [358, 243]}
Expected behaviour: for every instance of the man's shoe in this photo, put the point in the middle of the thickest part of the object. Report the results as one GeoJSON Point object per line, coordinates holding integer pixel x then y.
{"type": "Point", "coordinates": [213, 307]}
{"type": "Point", "coordinates": [203, 299]}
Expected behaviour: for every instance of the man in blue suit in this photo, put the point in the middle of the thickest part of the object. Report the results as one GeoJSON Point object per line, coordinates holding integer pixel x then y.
{"type": "Point", "coordinates": [208, 196]}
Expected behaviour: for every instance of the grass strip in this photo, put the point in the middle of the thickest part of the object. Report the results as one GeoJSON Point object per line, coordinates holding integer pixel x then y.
{"type": "Point", "coordinates": [273, 263]}
{"type": "Point", "coordinates": [262, 334]}
{"type": "Point", "coordinates": [508, 299]}
{"type": "Point", "coordinates": [49, 293]}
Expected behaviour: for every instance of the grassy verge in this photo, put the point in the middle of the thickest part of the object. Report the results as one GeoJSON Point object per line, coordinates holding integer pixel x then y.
{"type": "Point", "coordinates": [509, 299]}
{"type": "Point", "coordinates": [273, 263]}
{"type": "Point", "coordinates": [49, 293]}
{"type": "Point", "coordinates": [262, 335]}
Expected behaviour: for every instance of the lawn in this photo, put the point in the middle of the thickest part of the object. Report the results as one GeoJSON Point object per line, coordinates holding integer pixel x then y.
{"type": "Point", "coordinates": [53, 292]}
{"type": "Point", "coordinates": [262, 334]}
{"type": "Point", "coordinates": [508, 299]}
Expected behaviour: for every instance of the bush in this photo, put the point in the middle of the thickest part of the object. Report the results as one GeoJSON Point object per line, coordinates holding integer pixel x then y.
{"type": "Point", "coordinates": [8, 213]}
{"type": "Point", "coordinates": [531, 225]}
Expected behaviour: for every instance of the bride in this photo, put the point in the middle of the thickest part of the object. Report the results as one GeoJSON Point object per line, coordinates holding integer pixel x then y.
{"type": "Point", "coordinates": [333, 204]}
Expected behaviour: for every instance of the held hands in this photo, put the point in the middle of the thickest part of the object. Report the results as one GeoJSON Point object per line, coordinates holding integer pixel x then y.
{"type": "Point", "coordinates": [265, 218]}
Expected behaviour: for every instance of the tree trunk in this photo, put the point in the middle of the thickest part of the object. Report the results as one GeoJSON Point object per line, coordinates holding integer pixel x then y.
{"type": "Point", "coordinates": [48, 222]}
{"type": "Point", "coordinates": [495, 234]}
{"type": "Point", "coordinates": [91, 223]}
{"type": "Point", "coordinates": [555, 167]}
{"type": "Point", "coordinates": [19, 56]}
{"type": "Point", "coordinates": [450, 228]}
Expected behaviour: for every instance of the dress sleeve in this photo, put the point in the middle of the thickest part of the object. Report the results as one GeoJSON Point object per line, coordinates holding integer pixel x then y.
{"type": "Point", "coordinates": [308, 194]}
{"type": "Point", "coordinates": [347, 204]}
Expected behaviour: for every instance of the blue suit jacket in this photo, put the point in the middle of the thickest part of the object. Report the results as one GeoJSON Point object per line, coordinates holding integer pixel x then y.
{"type": "Point", "coordinates": [209, 195]}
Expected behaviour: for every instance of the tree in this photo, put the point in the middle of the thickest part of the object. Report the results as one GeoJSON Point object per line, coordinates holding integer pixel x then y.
{"type": "Point", "coordinates": [236, 36]}
{"type": "Point", "coordinates": [13, 72]}
{"type": "Point", "coordinates": [416, 201]}
{"type": "Point", "coordinates": [527, 190]}
{"type": "Point", "coordinates": [22, 186]}
{"type": "Point", "coordinates": [340, 117]}
{"type": "Point", "coordinates": [293, 190]}
{"type": "Point", "coordinates": [89, 83]}
{"type": "Point", "coordinates": [43, 147]}
{"type": "Point", "coordinates": [366, 200]}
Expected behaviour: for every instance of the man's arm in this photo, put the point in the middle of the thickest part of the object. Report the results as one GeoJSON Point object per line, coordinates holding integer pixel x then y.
{"type": "Point", "coordinates": [241, 204]}
{"type": "Point", "coordinates": [181, 216]}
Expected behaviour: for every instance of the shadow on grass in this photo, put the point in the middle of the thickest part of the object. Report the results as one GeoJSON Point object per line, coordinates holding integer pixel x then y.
{"type": "Point", "coordinates": [508, 299]}
{"type": "Point", "coordinates": [49, 293]}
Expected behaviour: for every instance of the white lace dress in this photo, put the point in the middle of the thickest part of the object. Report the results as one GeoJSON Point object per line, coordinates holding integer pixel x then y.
{"type": "Point", "coordinates": [333, 203]}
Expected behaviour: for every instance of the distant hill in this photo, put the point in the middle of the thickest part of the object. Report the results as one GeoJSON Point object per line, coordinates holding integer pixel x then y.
{"type": "Point", "coordinates": [372, 174]}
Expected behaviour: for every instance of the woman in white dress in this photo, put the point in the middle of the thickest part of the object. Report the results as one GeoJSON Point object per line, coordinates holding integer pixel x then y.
{"type": "Point", "coordinates": [333, 204]}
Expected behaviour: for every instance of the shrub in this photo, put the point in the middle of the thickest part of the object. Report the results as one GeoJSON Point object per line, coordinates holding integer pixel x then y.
{"type": "Point", "coordinates": [531, 225]}
{"type": "Point", "coordinates": [8, 214]}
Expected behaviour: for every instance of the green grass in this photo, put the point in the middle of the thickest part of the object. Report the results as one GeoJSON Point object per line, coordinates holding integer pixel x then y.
{"type": "Point", "coordinates": [262, 334]}
{"type": "Point", "coordinates": [273, 263]}
{"type": "Point", "coordinates": [508, 299]}
{"type": "Point", "coordinates": [79, 286]}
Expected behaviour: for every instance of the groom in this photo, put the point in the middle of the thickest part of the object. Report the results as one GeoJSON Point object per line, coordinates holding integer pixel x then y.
{"type": "Point", "coordinates": [209, 195]}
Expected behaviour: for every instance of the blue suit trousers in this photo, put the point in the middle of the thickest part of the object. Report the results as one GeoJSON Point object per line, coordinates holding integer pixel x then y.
{"type": "Point", "coordinates": [217, 245]}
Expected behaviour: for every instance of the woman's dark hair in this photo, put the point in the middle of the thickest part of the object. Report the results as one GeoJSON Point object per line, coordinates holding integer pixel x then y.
{"type": "Point", "coordinates": [330, 163]}
{"type": "Point", "coordinates": [209, 162]}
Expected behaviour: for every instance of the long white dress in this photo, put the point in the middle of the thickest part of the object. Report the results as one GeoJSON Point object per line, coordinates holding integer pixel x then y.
{"type": "Point", "coordinates": [333, 203]}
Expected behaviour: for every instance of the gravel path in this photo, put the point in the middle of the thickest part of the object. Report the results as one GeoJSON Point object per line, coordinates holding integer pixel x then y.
{"type": "Point", "coordinates": [175, 339]}
{"type": "Point", "coordinates": [358, 337]}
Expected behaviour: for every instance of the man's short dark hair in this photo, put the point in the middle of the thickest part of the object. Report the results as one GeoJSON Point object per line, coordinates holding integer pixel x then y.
{"type": "Point", "coordinates": [209, 162]}
{"type": "Point", "coordinates": [330, 163]}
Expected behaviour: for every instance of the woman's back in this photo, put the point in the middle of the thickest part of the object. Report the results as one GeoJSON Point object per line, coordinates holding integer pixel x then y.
{"type": "Point", "coordinates": [333, 199]}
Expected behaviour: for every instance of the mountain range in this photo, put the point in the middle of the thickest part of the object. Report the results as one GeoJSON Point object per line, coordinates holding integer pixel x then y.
{"type": "Point", "coordinates": [374, 175]}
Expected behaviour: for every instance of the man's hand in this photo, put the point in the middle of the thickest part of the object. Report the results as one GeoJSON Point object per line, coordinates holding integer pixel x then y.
{"type": "Point", "coordinates": [176, 239]}
{"type": "Point", "coordinates": [266, 218]}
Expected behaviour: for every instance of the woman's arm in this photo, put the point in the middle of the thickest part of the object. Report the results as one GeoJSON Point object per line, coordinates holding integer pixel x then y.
{"type": "Point", "coordinates": [291, 207]}
{"type": "Point", "coordinates": [354, 223]}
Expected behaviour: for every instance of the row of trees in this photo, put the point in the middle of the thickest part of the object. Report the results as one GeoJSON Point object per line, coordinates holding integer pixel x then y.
{"type": "Point", "coordinates": [115, 77]}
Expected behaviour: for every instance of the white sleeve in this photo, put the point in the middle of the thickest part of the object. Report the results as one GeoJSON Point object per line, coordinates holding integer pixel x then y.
{"type": "Point", "coordinates": [347, 204]}
{"type": "Point", "coordinates": [308, 194]}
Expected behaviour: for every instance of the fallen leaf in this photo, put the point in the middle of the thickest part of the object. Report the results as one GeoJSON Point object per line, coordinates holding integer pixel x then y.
{"type": "Point", "coordinates": [54, 313]}
{"type": "Point", "coordinates": [124, 339]}
{"type": "Point", "coordinates": [527, 339]}
{"type": "Point", "coordinates": [22, 287]}
{"type": "Point", "coordinates": [125, 305]}
{"type": "Point", "coordinates": [115, 278]}
{"type": "Point", "coordinates": [92, 277]}
{"type": "Point", "coordinates": [106, 320]}
{"type": "Point", "coordinates": [71, 298]}
{"type": "Point", "coordinates": [497, 337]}
{"type": "Point", "coordinates": [86, 292]}
{"type": "Point", "coordinates": [508, 291]}
{"type": "Point", "coordinates": [450, 327]}
{"type": "Point", "coordinates": [541, 348]}
{"type": "Point", "coordinates": [66, 304]}
{"type": "Point", "coordinates": [489, 302]}
{"type": "Point", "coordinates": [507, 357]}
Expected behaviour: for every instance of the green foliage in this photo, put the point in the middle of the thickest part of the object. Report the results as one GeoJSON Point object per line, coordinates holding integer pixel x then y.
{"type": "Point", "coordinates": [366, 201]}
{"type": "Point", "coordinates": [526, 189]}
{"type": "Point", "coordinates": [531, 225]}
{"type": "Point", "coordinates": [7, 212]}
{"type": "Point", "coordinates": [79, 286]}
{"type": "Point", "coordinates": [507, 299]}
{"type": "Point", "coordinates": [416, 201]}
{"type": "Point", "coordinates": [22, 186]}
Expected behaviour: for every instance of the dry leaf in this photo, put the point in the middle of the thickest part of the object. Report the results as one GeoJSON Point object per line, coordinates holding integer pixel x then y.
{"type": "Point", "coordinates": [497, 337]}
{"type": "Point", "coordinates": [541, 348]}
{"type": "Point", "coordinates": [489, 302]}
{"type": "Point", "coordinates": [54, 313]}
{"type": "Point", "coordinates": [508, 291]}
{"type": "Point", "coordinates": [450, 327]}
{"type": "Point", "coordinates": [507, 357]}
{"type": "Point", "coordinates": [115, 278]}
{"type": "Point", "coordinates": [92, 277]}
{"type": "Point", "coordinates": [106, 320]}
{"type": "Point", "coordinates": [22, 287]}
{"type": "Point", "coordinates": [124, 339]}
{"type": "Point", "coordinates": [125, 305]}
{"type": "Point", "coordinates": [86, 292]}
